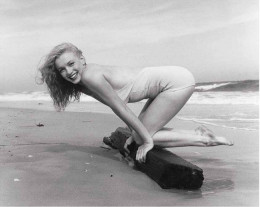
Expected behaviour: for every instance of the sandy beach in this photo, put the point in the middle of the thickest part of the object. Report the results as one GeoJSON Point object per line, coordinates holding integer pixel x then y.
{"type": "Point", "coordinates": [63, 163]}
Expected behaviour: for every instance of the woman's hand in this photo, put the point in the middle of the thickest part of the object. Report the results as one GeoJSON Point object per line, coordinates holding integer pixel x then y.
{"type": "Point", "coordinates": [142, 151]}
{"type": "Point", "coordinates": [128, 142]}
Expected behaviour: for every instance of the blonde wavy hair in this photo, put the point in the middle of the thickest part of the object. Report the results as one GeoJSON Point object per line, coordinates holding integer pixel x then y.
{"type": "Point", "coordinates": [61, 91]}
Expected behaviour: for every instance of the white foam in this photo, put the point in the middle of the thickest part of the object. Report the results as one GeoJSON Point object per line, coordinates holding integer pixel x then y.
{"type": "Point", "coordinates": [211, 86]}
{"type": "Point", "coordinates": [224, 98]}
{"type": "Point", "coordinates": [35, 96]}
{"type": "Point", "coordinates": [26, 96]}
{"type": "Point", "coordinates": [243, 120]}
{"type": "Point", "coordinates": [201, 121]}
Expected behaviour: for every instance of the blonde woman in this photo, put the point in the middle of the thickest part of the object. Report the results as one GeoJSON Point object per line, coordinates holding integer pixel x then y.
{"type": "Point", "coordinates": [167, 89]}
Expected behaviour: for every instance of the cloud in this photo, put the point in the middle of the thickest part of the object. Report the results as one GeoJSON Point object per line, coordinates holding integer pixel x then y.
{"type": "Point", "coordinates": [112, 22]}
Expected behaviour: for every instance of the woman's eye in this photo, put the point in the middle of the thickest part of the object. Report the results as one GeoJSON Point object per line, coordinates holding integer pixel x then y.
{"type": "Point", "coordinates": [71, 64]}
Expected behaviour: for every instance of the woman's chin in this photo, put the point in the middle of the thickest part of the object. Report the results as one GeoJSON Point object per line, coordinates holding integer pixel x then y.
{"type": "Point", "coordinates": [76, 81]}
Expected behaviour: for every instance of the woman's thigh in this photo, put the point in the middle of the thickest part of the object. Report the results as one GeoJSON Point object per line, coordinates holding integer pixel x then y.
{"type": "Point", "coordinates": [163, 108]}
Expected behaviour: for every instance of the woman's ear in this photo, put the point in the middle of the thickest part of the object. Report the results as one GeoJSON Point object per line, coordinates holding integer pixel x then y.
{"type": "Point", "coordinates": [83, 60]}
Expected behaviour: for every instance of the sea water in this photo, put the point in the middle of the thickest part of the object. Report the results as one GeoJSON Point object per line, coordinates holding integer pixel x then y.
{"type": "Point", "coordinates": [226, 104]}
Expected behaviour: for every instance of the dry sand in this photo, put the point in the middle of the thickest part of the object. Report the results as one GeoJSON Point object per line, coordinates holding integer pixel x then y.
{"type": "Point", "coordinates": [62, 163]}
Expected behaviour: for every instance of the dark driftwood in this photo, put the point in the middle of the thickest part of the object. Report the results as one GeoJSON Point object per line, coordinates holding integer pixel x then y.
{"type": "Point", "coordinates": [164, 167]}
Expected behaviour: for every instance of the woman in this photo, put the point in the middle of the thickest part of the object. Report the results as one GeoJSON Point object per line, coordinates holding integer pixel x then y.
{"type": "Point", "coordinates": [167, 89]}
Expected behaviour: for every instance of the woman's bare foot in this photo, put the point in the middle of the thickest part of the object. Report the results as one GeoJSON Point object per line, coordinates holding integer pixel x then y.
{"type": "Point", "coordinates": [212, 139]}
{"type": "Point", "coordinates": [215, 141]}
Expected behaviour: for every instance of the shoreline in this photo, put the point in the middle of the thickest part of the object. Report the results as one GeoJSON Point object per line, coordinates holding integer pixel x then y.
{"type": "Point", "coordinates": [190, 112]}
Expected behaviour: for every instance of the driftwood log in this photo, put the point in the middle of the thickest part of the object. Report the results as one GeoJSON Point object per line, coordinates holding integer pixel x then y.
{"type": "Point", "coordinates": [163, 166]}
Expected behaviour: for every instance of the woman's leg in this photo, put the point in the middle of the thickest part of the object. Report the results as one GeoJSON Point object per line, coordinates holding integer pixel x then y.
{"type": "Point", "coordinates": [161, 110]}
{"type": "Point", "coordinates": [147, 104]}
{"type": "Point", "coordinates": [168, 137]}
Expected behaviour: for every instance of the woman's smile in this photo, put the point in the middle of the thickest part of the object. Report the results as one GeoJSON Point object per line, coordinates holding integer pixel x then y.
{"type": "Point", "coordinates": [73, 76]}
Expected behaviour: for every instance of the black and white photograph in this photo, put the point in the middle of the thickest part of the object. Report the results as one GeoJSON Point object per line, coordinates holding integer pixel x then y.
{"type": "Point", "coordinates": [129, 103]}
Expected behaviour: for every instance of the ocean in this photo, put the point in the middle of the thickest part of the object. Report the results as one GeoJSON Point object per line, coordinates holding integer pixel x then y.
{"type": "Point", "coordinates": [231, 104]}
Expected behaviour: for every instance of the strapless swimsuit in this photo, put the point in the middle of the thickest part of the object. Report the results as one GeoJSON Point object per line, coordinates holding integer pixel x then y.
{"type": "Point", "coordinates": [151, 81]}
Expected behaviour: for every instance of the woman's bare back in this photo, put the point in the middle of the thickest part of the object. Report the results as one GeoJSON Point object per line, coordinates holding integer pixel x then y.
{"type": "Point", "coordinates": [117, 76]}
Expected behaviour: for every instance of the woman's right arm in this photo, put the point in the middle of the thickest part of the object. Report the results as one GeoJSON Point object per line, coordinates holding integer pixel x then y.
{"type": "Point", "coordinates": [103, 90]}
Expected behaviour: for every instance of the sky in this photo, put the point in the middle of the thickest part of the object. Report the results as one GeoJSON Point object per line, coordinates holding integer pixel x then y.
{"type": "Point", "coordinates": [217, 40]}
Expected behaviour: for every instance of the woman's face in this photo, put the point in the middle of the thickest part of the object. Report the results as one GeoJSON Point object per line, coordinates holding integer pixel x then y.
{"type": "Point", "coordinates": [70, 66]}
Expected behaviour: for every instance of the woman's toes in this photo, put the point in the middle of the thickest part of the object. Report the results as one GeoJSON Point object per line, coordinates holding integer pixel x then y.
{"type": "Point", "coordinates": [215, 141]}
{"type": "Point", "coordinates": [224, 141]}
{"type": "Point", "coordinates": [209, 134]}
{"type": "Point", "coordinates": [199, 131]}
{"type": "Point", "coordinates": [204, 131]}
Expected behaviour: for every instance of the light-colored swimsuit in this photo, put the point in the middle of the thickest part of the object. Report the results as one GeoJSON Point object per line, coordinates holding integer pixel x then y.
{"type": "Point", "coordinates": [151, 81]}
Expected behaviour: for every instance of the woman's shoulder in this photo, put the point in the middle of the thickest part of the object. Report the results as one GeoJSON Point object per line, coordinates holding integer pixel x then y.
{"type": "Point", "coordinates": [91, 71]}
{"type": "Point", "coordinates": [93, 76]}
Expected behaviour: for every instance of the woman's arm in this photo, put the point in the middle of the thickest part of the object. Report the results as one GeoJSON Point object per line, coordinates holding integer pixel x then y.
{"type": "Point", "coordinates": [87, 92]}
{"type": "Point", "coordinates": [98, 84]}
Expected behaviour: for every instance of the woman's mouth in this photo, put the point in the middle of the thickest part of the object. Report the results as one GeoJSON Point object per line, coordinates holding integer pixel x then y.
{"type": "Point", "coordinates": [73, 76]}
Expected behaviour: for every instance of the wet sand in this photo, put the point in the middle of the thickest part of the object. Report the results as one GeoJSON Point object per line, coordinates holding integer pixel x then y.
{"type": "Point", "coordinates": [62, 163]}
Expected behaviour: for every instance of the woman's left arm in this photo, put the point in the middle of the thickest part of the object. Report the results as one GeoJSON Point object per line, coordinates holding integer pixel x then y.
{"type": "Point", "coordinates": [103, 90]}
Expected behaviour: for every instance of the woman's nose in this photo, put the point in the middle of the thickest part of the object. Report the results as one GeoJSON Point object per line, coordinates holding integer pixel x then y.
{"type": "Point", "coordinates": [68, 70]}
